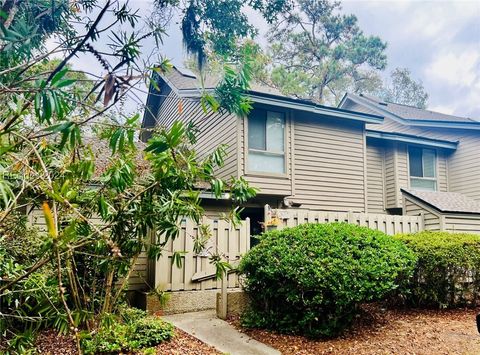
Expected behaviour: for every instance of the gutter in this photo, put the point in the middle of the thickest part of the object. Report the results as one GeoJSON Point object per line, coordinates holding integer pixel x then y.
{"type": "Point", "coordinates": [406, 138]}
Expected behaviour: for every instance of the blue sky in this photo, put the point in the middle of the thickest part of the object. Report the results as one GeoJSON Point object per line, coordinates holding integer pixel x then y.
{"type": "Point", "coordinates": [439, 41]}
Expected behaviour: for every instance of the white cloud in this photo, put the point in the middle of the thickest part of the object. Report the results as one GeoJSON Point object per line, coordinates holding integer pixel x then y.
{"type": "Point", "coordinates": [439, 21]}
{"type": "Point", "coordinates": [439, 41]}
{"type": "Point", "coordinates": [455, 68]}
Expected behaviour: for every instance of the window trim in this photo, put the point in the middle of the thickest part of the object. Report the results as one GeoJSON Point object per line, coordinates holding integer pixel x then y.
{"type": "Point", "coordinates": [424, 178]}
{"type": "Point", "coordinates": [286, 148]}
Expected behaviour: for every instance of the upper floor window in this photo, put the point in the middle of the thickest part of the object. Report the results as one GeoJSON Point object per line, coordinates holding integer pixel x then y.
{"type": "Point", "coordinates": [266, 142]}
{"type": "Point", "coordinates": [422, 169]}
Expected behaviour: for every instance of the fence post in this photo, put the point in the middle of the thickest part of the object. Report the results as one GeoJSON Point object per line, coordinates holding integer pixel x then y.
{"type": "Point", "coordinates": [247, 232]}
{"type": "Point", "coordinates": [223, 305]}
{"type": "Point", "coordinates": [267, 216]}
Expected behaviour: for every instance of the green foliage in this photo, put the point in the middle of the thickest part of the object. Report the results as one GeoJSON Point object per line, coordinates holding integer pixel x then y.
{"type": "Point", "coordinates": [136, 332]}
{"type": "Point", "coordinates": [33, 302]}
{"type": "Point", "coordinates": [213, 25]}
{"type": "Point", "coordinates": [20, 343]}
{"type": "Point", "coordinates": [447, 273]}
{"type": "Point", "coordinates": [311, 279]}
{"type": "Point", "coordinates": [403, 89]}
{"type": "Point", "coordinates": [319, 53]}
{"type": "Point", "coordinates": [235, 82]}
{"type": "Point", "coordinates": [21, 241]}
{"type": "Point", "coordinates": [32, 23]}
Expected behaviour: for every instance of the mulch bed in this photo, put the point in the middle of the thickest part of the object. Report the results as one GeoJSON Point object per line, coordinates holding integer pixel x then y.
{"type": "Point", "coordinates": [184, 343]}
{"type": "Point", "coordinates": [388, 331]}
{"type": "Point", "coordinates": [49, 342]}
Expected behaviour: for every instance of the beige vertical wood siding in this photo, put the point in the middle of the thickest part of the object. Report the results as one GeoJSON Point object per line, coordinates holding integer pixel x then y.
{"type": "Point", "coordinates": [329, 163]}
{"type": "Point", "coordinates": [215, 128]}
{"type": "Point", "coordinates": [431, 220]}
{"type": "Point", "coordinates": [462, 223]}
{"type": "Point", "coordinates": [403, 180]}
{"type": "Point", "coordinates": [390, 176]}
{"type": "Point", "coordinates": [442, 169]}
{"type": "Point", "coordinates": [464, 165]}
{"type": "Point", "coordinates": [375, 177]}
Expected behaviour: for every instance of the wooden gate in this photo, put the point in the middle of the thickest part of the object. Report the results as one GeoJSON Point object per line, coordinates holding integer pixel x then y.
{"type": "Point", "coordinates": [196, 271]}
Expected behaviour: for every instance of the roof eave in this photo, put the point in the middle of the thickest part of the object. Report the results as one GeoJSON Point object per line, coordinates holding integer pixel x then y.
{"type": "Point", "coordinates": [311, 107]}
{"type": "Point", "coordinates": [435, 207]}
{"type": "Point", "coordinates": [445, 124]}
{"type": "Point", "coordinates": [409, 122]}
{"type": "Point", "coordinates": [398, 137]}
{"type": "Point", "coordinates": [270, 99]}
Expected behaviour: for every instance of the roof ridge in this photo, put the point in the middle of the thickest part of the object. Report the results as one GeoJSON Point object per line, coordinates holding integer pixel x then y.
{"type": "Point", "coordinates": [428, 110]}
{"type": "Point", "coordinates": [378, 102]}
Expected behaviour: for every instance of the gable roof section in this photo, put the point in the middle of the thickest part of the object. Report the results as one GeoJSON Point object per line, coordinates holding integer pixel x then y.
{"type": "Point", "coordinates": [445, 202]}
{"type": "Point", "coordinates": [409, 115]}
{"type": "Point", "coordinates": [103, 156]}
{"type": "Point", "coordinates": [187, 85]}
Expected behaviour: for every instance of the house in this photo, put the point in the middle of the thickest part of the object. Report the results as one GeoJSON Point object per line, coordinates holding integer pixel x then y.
{"type": "Point", "coordinates": [430, 163]}
{"type": "Point", "coordinates": [296, 152]}
{"type": "Point", "coordinates": [365, 156]}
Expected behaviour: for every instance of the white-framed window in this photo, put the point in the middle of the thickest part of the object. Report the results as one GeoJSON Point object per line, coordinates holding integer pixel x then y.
{"type": "Point", "coordinates": [423, 168]}
{"type": "Point", "coordinates": [266, 142]}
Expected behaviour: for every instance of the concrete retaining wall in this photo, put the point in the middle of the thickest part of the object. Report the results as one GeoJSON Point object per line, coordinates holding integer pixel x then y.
{"type": "Point", "coordinates": [179, 302]}
{"type": "Point", "coordinates": [237, 303]}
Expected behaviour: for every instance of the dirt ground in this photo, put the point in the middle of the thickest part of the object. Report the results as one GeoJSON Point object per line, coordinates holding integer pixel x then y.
{"type": "Point", "coordinates": [381, 331]}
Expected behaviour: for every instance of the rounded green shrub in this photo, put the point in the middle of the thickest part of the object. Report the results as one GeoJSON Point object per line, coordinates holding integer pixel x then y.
{"type": "Point", "coordinates": [311, 279]}
{"type": "Point", "coordinates": [447, 273]}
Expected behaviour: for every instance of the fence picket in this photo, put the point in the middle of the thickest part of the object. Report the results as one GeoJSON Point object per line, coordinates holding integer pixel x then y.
{"type": "Point", "coordinates": [189, 267]}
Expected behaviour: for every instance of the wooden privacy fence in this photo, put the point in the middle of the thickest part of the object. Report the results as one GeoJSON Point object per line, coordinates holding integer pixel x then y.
{"type": "Point", "coordinates": [196, 272]}
{"type": "Point", "coordinates": [281, 218]}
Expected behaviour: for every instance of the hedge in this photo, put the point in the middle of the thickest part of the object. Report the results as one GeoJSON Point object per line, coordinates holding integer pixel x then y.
{"type": "Point", "coordinates": [447, 273]}
{"type": "Point", "coordinates": [311, 279]}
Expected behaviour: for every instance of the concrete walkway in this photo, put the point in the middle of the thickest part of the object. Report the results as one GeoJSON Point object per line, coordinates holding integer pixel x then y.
{"type": "Point", "coordinates": [219, 334]}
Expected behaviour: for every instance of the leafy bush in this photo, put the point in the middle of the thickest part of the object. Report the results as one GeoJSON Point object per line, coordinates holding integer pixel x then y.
{"type": "Point", "coordinates": [137, 331]}
{"type": "Point", "coordinates": [311, 279]}
{"type": "Point", "coordinates": [33, 302]}
{"type": "Point", "coordinates": [447, 273]}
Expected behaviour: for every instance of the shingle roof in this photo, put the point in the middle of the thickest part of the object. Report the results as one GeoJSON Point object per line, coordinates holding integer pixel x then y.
{"type": "Point", "coordinates": [414, 113]}
{"type": "Point", "coordinates": [103, 156]}
{"type": "Point", "coordinates": [184, 80]}
{"type": "Point", "coordinates": [447, 202]}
